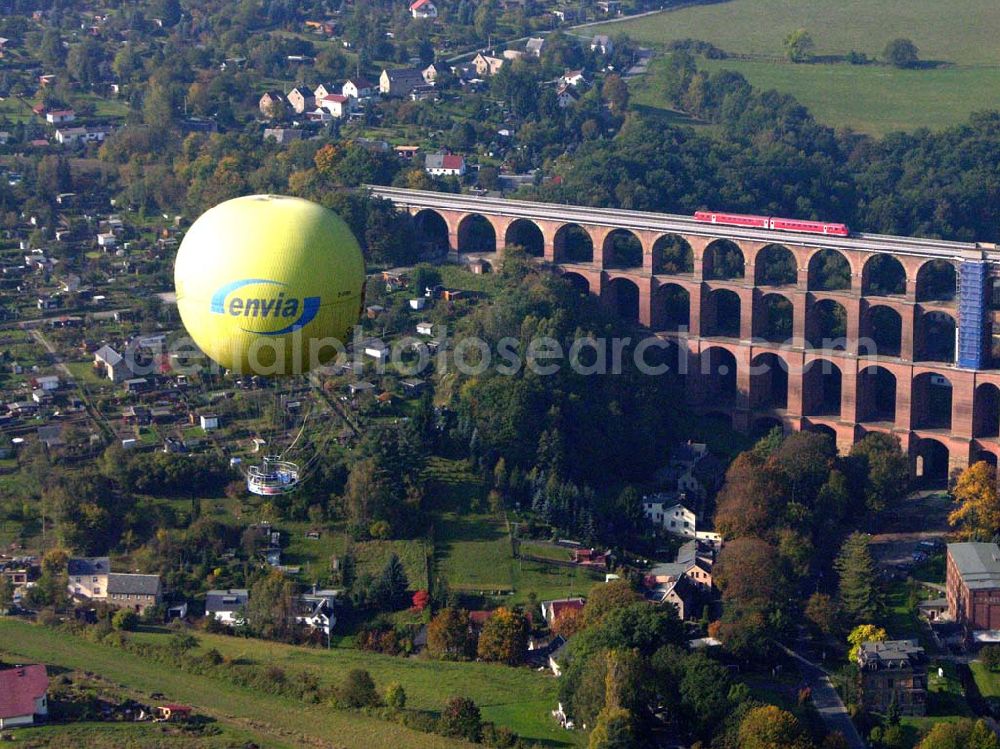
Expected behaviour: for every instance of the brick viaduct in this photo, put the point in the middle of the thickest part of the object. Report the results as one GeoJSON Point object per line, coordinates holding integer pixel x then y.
{"type": "Point", "coordinates": [845, 335]}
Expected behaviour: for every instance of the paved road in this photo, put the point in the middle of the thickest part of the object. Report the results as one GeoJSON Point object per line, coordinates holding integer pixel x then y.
{"type": "Point", "coordinates": [827, 700]}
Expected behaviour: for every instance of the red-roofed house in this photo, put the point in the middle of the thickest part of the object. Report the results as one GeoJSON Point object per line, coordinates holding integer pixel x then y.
{"type": "Point", "coordinates": [23, 695]}
{"type": "Point", "coordinates": [423, 9]}
{"type": "Point", "coordinates": [337, 105]}
{"type": "Point", "coordinates": [60, 116]}
{"type": "Point", "coordinates": [552, 610]}
{"type": "Point", "coordinates": [444, 165]}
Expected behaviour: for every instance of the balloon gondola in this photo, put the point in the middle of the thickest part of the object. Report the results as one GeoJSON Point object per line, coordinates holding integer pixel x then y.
{"type": "Point", "coordinates": [273, 476]}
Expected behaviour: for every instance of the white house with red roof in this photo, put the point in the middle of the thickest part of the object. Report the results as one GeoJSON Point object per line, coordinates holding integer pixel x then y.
{"type": "Point", "coordinates": [444, 165]}
{"type": "Point", "coordinates": [552, 610]}
{"type": "Point", "coordinates": [60, 116]}
{"type": "Point", "coordinates": [423, 9]}
{"type": "Point", "coordinates": [23, 695]}
{"type": "Point", "coordinates": [337, 105]}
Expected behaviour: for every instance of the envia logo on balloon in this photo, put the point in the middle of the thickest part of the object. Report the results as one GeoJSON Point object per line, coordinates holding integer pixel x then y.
{"type": "Point", "coordinates": [262, 306]}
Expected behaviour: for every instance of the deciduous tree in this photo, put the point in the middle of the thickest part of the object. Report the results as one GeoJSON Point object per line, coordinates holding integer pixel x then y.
{"type": "Point", "coordinates": [770, 727]}
{"type": "Point", "coordinates": [977, 514]}
{"type": "Point", "coordinates": [864, 633]}
{"type": "Point", "coordinates": [504, 637]}
{"type": "Point", "coordinates": [902, 53]}
{"type": "Point", "coordinates": [448, 635]}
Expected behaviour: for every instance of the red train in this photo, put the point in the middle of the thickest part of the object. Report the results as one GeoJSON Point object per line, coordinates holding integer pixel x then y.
{"type": "Point", "coordinates": [772, 222]}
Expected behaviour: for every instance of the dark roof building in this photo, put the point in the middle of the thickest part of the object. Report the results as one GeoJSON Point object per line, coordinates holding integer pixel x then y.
{"type": "Point", "coordinates": [131, 591]}
{"type": "Point", "coordinates": [890, 672]}
{"type": "Point", "coordinates": [79, 566]}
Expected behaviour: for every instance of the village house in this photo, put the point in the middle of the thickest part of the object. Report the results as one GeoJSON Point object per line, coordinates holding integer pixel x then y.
{"type": "Point", "coordinates": [227, 606]}
{"type": "Point", "coordinates": [87, 577]}
{"type": "Point", "coordinates": [693, 566]}
{"type": "Point", "coordinates": [132, 591]}
{"type": "Point", "coordinates": [337, 105]}
{"type": "Point", "coordinates": [893, 672]}
{"type": "Point", "coordinates": [111, 364]}
{"type": "Point", "coordinates": [573, 78]}
{"type": "Point", "coordinates": [315, 610]}
{"type": "Point", "coordinates": [674, 518]}
{"type": "Point", "coordinates": [553, 610]}
{"type": "Point", "coordinates": [272, 104]}
{"type": "Point", "coordinates": [70, 135]}
{"type": "Point", "coordinates": [566, 96]}
{"type": "Point", "coordinates": [534, 46]}
{"type": "Point", "coordinates": [423, 9]}
{"type": "Point", "coordinates": [324, 90]}
{"type": "Point", "coordinates": [23, 695]}
{"type": "Point", "coordinates": [677, 591]}
{"type": "Point", "coordinates": [487, 65]}
{"type": "Point", "coordinates": [46, 382]}
{"type": "Point", "coordinates": [400, 82]}
{"type": "Point", "coordinates": [301, 99]}
{"type": "Point", "coordinates": [60, 116]}
{"type": "Point", "coordinates": [358, 88]}
{"type": "Point", "coordinates": [972, 585]}
{"type": "Point", "coordinates": [444, 165]}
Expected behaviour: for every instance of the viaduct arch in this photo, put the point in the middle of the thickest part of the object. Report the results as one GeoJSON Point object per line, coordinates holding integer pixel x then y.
{"type": "Point", "coordinates": [844, 335]}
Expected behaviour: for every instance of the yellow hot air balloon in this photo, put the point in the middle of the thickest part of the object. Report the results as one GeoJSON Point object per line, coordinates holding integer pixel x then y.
{"type": "Point", "coordinates": [269, 284]}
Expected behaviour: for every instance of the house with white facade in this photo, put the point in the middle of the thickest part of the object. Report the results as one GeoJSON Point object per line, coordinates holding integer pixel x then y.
{"type": "Point", "coordinates": [444, 165]}
{"type": "Point", "coordinates": [423, 9]}
{"type": "Point", "coordinates": [227, 606]}
{"type": "Point", "coordinates": [337, 105]}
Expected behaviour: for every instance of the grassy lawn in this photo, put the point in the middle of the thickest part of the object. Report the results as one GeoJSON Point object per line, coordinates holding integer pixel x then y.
{"type": "Point", "coordinates": [129, 735]}
{"type": "Point", "coordinates": [371, 557]}
{"type": "Point", "coordinates": [519, 698]}
{"type": "Point", "coordinates": [473, 553]}
{"type": "Point", "coordinates": [276, 721]}
{"type": "Point", "coordinates": [83, 372]}
{"type": "Point", "coordinates": [987, 681]}
{"type": "Point", "coordinates": [962, 31]}
{"type": "Point", "coordinates": [456, 277]}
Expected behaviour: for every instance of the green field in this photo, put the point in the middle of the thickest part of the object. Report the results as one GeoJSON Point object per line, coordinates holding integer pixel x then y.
{"type": "Point", "coordinates": [129, 736]}
{"type": "Point", "coordinates": [277, 721]}
{"type": "Point", "coordinates": [962, 31]}
{"type": "Point", "coordinates": [876, 99]}
{"type": "Point", "coordinates": [518, 698]}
